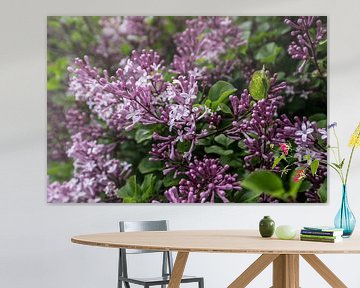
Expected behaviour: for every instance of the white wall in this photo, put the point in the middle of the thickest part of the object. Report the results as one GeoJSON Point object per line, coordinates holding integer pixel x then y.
{"type": "Point", "coordinates": [35, 248]}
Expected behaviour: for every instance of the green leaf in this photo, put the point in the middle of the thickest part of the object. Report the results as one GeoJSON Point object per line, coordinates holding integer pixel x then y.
{"type": "Point", "coordinates": [224, 140]}
{"type": "Point", "coordinates": [314, 166]}
{"type": "Point", "coordinates": [132, 192]}
{"type": "Point", "coordinates": [323, 192]}
{"type": "Point", "coordinates": [60, 171]}
{"type": "Point", "coordinates": [147, 166]}
{"type": "Point", "coordinates": [232, 160]}
{"type": "Point", "coordinates": [264, 182]}
{"type": "Point", "coordinates": [147, 187]}
{"type": "Point", "coordinates": [220, 92]}
{"type": "Point", "coordinates": [170, 181]}
{"type": "Point", "coordinates": [143, 134]}
{"type": "Point", "coordinates": [259, 85]}
{"type": "Point", "coordinates": [317, 117]}
{"type": "Point", "coordinates": [183, 146]}
{"type": "Point", "coordinates": [307, 158]}
{"type": "Point", "coordinates": [225, 108]}
{"type": "Point", "coordinates": [218, 150]}
{"type": "Point", "coordinates": [305, 186]}
{"type": "Point", "coordinates": [268, 53]}
{"type": "Point", "coordinates": [204, 141]}
{"type": "Point", "coordinates": [277, 161]}
{"type": "Point", "coordinates": [247, 197]}
{"type": "Point", "coordinates": [322, 124]}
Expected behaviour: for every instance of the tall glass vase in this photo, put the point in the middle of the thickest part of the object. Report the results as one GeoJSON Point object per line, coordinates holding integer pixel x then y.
{"type": "Point", "coordinates": [345, 219]}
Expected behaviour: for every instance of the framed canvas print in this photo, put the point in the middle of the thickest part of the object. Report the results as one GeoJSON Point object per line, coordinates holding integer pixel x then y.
{"type": "Point", "coordinates": [187, 109]}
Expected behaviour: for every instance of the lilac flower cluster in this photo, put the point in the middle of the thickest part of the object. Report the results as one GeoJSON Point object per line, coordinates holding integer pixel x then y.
{"type": "Point", "coordinates": [78, 121]}
{"type": "Point", "coordinates": [304, 48]}
{"type": "Point", "coordinates": [127, 99]}
{"type": "Point", "coordinates": [95, 173]}
{"type": "Point", "coordinates": [119, 31]}
{"type": "Point", "coordinates": [140, 95]}
{"type": "Point", "coordinates": [207, 181]}
{"type": "Point", "coordinates": [203, 42]}
{"type": "Point", "coordinates": [306, 136]}
{"type": "Point", "coordinates": [259, 130]}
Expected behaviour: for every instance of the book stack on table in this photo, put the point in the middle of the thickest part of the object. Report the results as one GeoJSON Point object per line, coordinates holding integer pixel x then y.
{"type": "Point", "coordinates": [321, 234]}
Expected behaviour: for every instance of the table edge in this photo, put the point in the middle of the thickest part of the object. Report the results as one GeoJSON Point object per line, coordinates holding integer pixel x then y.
{"type": "Point", "coordinates": [203, 250]}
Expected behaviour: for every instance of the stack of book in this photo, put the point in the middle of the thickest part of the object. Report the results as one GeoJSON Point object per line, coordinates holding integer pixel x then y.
{"type": "Point", "coordinates": [321, 234]}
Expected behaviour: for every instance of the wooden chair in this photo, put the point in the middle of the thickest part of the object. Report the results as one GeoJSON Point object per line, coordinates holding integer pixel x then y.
{"type": "Point", "coordinates": [167, 262]}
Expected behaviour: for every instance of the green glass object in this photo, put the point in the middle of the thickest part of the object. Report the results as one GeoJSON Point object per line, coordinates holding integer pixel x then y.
{"type": "Point", "coordinates": [285, 232]}
{"type": "Point", "coordinates": [267, 227]}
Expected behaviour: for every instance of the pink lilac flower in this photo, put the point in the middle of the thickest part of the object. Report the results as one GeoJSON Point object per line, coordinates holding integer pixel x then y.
{"type": "Point", "coordinates": [284, 148]}
{"type": "Point", "coordinates": [204, 40]}
{"type": "Point", "coordinates": [299, 175]}
{"type": "Point", "coordinates": [207, 181]}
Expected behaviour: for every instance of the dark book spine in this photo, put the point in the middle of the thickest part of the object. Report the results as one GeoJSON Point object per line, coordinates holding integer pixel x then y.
{"type": "Point", "coordinates": [318, 233]}
{"type": "Point", "coordinates": [318, 240]}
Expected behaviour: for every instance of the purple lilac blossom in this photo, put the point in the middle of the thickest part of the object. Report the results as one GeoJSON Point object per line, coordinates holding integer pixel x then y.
{"type": "Point", "coordinates": [78, 121]}
{"type": "Point", "coordinates": [204, 40]}
{"type": "Point", "coordinates": [206, 181]}
{"type": "Point", "coordinates": [95, 173]}
{"type": "Point", "coordinates": [127, 99]}
{"type": "Point", "coordinates": [304, 48]}
{"type": "Point", "coordinates": [310, 148]}
{"type": "Point", "coordinates": [120, 31]}
{"type": "Point", "coordinates": [140, 95]}
{"type": "Point", "coordinates": [258, 131]}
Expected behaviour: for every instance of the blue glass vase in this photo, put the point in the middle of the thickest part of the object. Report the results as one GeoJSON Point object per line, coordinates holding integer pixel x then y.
{"type": "Point", "coordinates": [345, 219]}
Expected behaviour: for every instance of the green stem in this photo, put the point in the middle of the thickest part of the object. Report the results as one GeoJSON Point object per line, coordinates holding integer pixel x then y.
{"type": "Point", "coordinates": [338, 145]}
{"type": "Point", "coordinates": [336, 169]}
{"type": "Point", "coordinates": [348, 167]}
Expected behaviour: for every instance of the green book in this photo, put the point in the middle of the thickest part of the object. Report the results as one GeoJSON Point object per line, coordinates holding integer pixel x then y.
{"type": "Point", "coordinates": [319, 236]}
{"type": "Point", "coordinates": [325, 240]}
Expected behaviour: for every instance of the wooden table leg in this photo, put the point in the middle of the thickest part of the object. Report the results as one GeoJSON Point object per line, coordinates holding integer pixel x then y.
{"type": "Point", "coordinates": [178, 269]}
{"type": "Point", "coordinates": [253, 270]}
{"type": "Point", "coordinates": [324, 271]}
{"type": "Point", "coordinates": [286, 271]}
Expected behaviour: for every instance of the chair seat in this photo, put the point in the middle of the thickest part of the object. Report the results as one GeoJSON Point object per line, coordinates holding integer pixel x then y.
{"type": "Point", "coordinates": [158, 280]}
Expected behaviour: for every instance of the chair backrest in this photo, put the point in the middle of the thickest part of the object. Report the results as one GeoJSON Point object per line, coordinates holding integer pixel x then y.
{"type": "Point", "coordinates": [137, 226]}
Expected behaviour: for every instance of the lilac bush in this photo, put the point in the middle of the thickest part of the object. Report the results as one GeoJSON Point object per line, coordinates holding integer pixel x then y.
{"type": "Point", "coordinates": [187, 109]}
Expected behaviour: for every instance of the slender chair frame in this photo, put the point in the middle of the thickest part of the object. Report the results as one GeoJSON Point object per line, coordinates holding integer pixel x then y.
{"type": "Point", "coordinates": [167, 262]}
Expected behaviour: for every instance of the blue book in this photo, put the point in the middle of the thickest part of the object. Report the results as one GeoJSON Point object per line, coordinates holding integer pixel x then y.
{"type": "Point", "coordinates": [322, 231]}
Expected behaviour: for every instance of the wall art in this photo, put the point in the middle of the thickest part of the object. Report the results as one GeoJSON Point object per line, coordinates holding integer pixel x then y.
{"type": "Point", "coordinates": [187, 109]}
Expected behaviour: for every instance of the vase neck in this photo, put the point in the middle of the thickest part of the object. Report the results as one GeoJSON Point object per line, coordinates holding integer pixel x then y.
{"type": "Point", "coordinates": [344, 193]}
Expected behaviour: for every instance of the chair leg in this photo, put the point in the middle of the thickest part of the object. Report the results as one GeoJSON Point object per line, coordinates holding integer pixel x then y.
{"type": "Point", "coordinates": [201, 283]}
